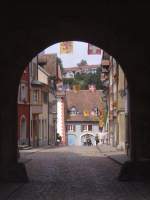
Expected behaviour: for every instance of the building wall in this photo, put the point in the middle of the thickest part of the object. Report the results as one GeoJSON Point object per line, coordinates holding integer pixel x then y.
{"type": "Point", "coordinates": [121, 88]}
{"type": "Point", "coordinates": [43, 126]}
{"type": "Point", "coordinates": [121, 130]}
{"type": "Point", "coordinates": [23, 112]}
{"type": "Point", "coordinates": [122, 101]}
{"type": "Point", "coordinates": [23, 134]}
{"type": "Point", "coordinates": [69, 75]}
{"type": "Point", "coordinates": [52, 118]}
{"type": "Point", "coordinates": [117, 106]}
{"type": "Point", "coordinates": [39, 108]}
{"type": "Point", "coordinates": [79, 133]}
{"type": "Point", "coordinates": [60, 119]}
{"type": "Point", "coordinates": [42, 77]}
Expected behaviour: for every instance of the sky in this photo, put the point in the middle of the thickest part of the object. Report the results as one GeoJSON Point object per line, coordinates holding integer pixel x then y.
{"type": "Point", "coordinates": [79, 52]}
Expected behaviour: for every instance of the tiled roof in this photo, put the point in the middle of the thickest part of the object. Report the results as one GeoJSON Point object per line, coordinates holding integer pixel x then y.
{"type": "Point", "coordinates": [70, 69]}
{"type": "Point", "coordinates": [89, 66]}
{"type": "Point", "coordinates": [81, 118]}
{"type": "Point", "coordinates": [83, 100]}
{"type": "Point", "coordinates": [78, 68]}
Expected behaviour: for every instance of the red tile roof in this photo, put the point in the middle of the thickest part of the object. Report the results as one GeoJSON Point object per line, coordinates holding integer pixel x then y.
{"type": "Point", "coordinates": [83, 100]}
{"type": "Point", "coordinates": [81, 118]}
{"type": "Point", "coordinates": [80, 68]}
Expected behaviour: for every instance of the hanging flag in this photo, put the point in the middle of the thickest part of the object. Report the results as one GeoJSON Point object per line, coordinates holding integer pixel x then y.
{"type": "Point", "coordinates": [92, 113]}
{"type": "Point", "coordinates": [101, 114]}
{"type": "Point", "coordinates": [66, 47]}
{"type": "Point", "coordinates": [76, 87]}
{"type": "Point", "coordinates": [92, 50]}
{"type": "Point", "coordinates": [86, 113]}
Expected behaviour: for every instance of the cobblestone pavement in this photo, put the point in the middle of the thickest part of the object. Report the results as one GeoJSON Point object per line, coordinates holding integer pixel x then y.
{"type": "Point", "coordinates": [75, 173]}
{"type": "Point", "coordinates": [118, 156]}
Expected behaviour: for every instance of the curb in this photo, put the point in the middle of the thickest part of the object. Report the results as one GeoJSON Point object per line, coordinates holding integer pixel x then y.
{"type": "Point", "coordinates": [116, 161]}
{"type": "Point", "coordinates": [105, 154]}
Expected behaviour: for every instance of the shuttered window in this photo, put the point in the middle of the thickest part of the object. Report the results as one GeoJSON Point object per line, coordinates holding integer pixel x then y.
{"type": "Point", "coordinates": [86, 127]}
{"type": "Point", "coordinates": [70, 127]}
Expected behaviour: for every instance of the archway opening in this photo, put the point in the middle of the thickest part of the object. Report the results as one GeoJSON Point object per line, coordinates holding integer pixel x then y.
{"type": "Point", "coordinates": [75, 88]}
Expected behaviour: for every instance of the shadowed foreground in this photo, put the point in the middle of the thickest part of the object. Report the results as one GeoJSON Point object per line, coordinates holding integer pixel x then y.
{"type": "Point", "coordinates": [72, 173]}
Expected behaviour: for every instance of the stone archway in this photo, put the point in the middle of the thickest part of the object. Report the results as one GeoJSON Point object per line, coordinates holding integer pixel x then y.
{"type": "Point", "coordinates": [86, 137]}
{"type": "Point", "coordinates": [114, 28]}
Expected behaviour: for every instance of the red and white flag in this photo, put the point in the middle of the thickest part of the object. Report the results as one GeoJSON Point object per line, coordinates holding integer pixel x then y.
{"type": "Point", "coordinates": [92, 50]}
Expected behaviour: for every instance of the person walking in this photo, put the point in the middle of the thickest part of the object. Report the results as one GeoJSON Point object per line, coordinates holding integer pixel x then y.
{"type": "Point", "coordinates": [97, 139]}
{"type": "Point", "coordinates": [84, 141]}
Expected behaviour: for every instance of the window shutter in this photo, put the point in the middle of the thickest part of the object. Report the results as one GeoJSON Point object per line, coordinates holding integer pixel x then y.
{"type": "Point", "coordinates": [90, 127]}
{"type": "Point", "coordinates": [66, 127]}
{"type": "Point", "coordinates": [26, 93]}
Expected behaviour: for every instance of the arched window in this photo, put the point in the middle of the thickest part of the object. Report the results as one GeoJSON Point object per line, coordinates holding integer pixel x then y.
{"type": "Point", "coordinates": [23, 130]}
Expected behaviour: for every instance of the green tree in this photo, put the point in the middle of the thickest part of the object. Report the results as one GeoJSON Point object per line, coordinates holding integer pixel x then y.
{"type": "Point", "coordinates": [68, 81]}
{"type": "Point", "coordinates": [82, 62]}
{"type": "Point", "coordinates": [86, 79]}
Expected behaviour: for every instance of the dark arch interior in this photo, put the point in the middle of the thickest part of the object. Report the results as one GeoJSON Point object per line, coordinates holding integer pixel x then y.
{"type": "Point", "coordinates": [115, 29]}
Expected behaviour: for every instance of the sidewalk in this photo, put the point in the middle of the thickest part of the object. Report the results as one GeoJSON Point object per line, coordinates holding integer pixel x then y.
{"type": "Point", "coordinates": [117, 156]}
{"type": "Point", "coordinates": [25, 151]}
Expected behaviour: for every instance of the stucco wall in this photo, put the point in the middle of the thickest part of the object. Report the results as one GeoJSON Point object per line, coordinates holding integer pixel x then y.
{"type": "Point", "coordinates": [42, 77]}
{"type": "Point", "coordinates": [78, 133]}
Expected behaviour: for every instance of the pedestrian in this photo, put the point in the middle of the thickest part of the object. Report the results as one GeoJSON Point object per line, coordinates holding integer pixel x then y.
{"type": "Point", "coordinates": [84, 141]}
{"type": "Point", "coordinates": [58, 139]}
{"type": "Point", "coordinates": [97, 139]}
{"type": "Point", "coordinates": [89, 142]}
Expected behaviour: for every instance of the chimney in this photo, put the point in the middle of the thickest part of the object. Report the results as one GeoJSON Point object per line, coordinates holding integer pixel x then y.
{"type": "Point", "coordinates": [92, 88]}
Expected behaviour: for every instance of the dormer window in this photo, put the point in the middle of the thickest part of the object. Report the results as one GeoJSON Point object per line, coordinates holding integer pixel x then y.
{"type": "Point", "coordinates": [95, 111]}
{"type": "Point", "coordinates": [73, 111]}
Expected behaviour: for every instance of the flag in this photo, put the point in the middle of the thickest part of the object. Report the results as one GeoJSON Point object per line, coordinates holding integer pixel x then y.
{"type": "Point", "coordinates": [76, 87]}
{"type": "Point", "coordinates": [92, 113]}
{"type": "Point", "coordinates": [86, 113]}
{"type": "Point", "coordinates": [66, 47]}
{"type": "Point", "coordinates": [92, 50]}
{"type": "Point", "coordinates": [101, 114]}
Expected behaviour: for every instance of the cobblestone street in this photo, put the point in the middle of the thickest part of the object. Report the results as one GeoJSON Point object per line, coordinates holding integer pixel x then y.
{"type": "Point", "coordinates": [73, 173]}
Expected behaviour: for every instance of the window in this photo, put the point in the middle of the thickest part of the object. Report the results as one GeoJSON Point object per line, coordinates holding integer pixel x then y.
{"type": "Point", "coordinates": [70, 127]}
{"type": "Point", "coordinates": [45, 97]}
{"type": "Point", "coordinates": [35, 96]}
{"type": "Point", "coordinates": [90, 127]}
{"type": "Point", "coordinates": [73, 111]}
{"type": "Point", "coordinates": [34, 71]}
{"type": "Point", "coordinates": [19, 93]}
{"type": "Point", "coordinates": [86, 127]}
{"type": "Point", "coordinates": [23, 93]}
